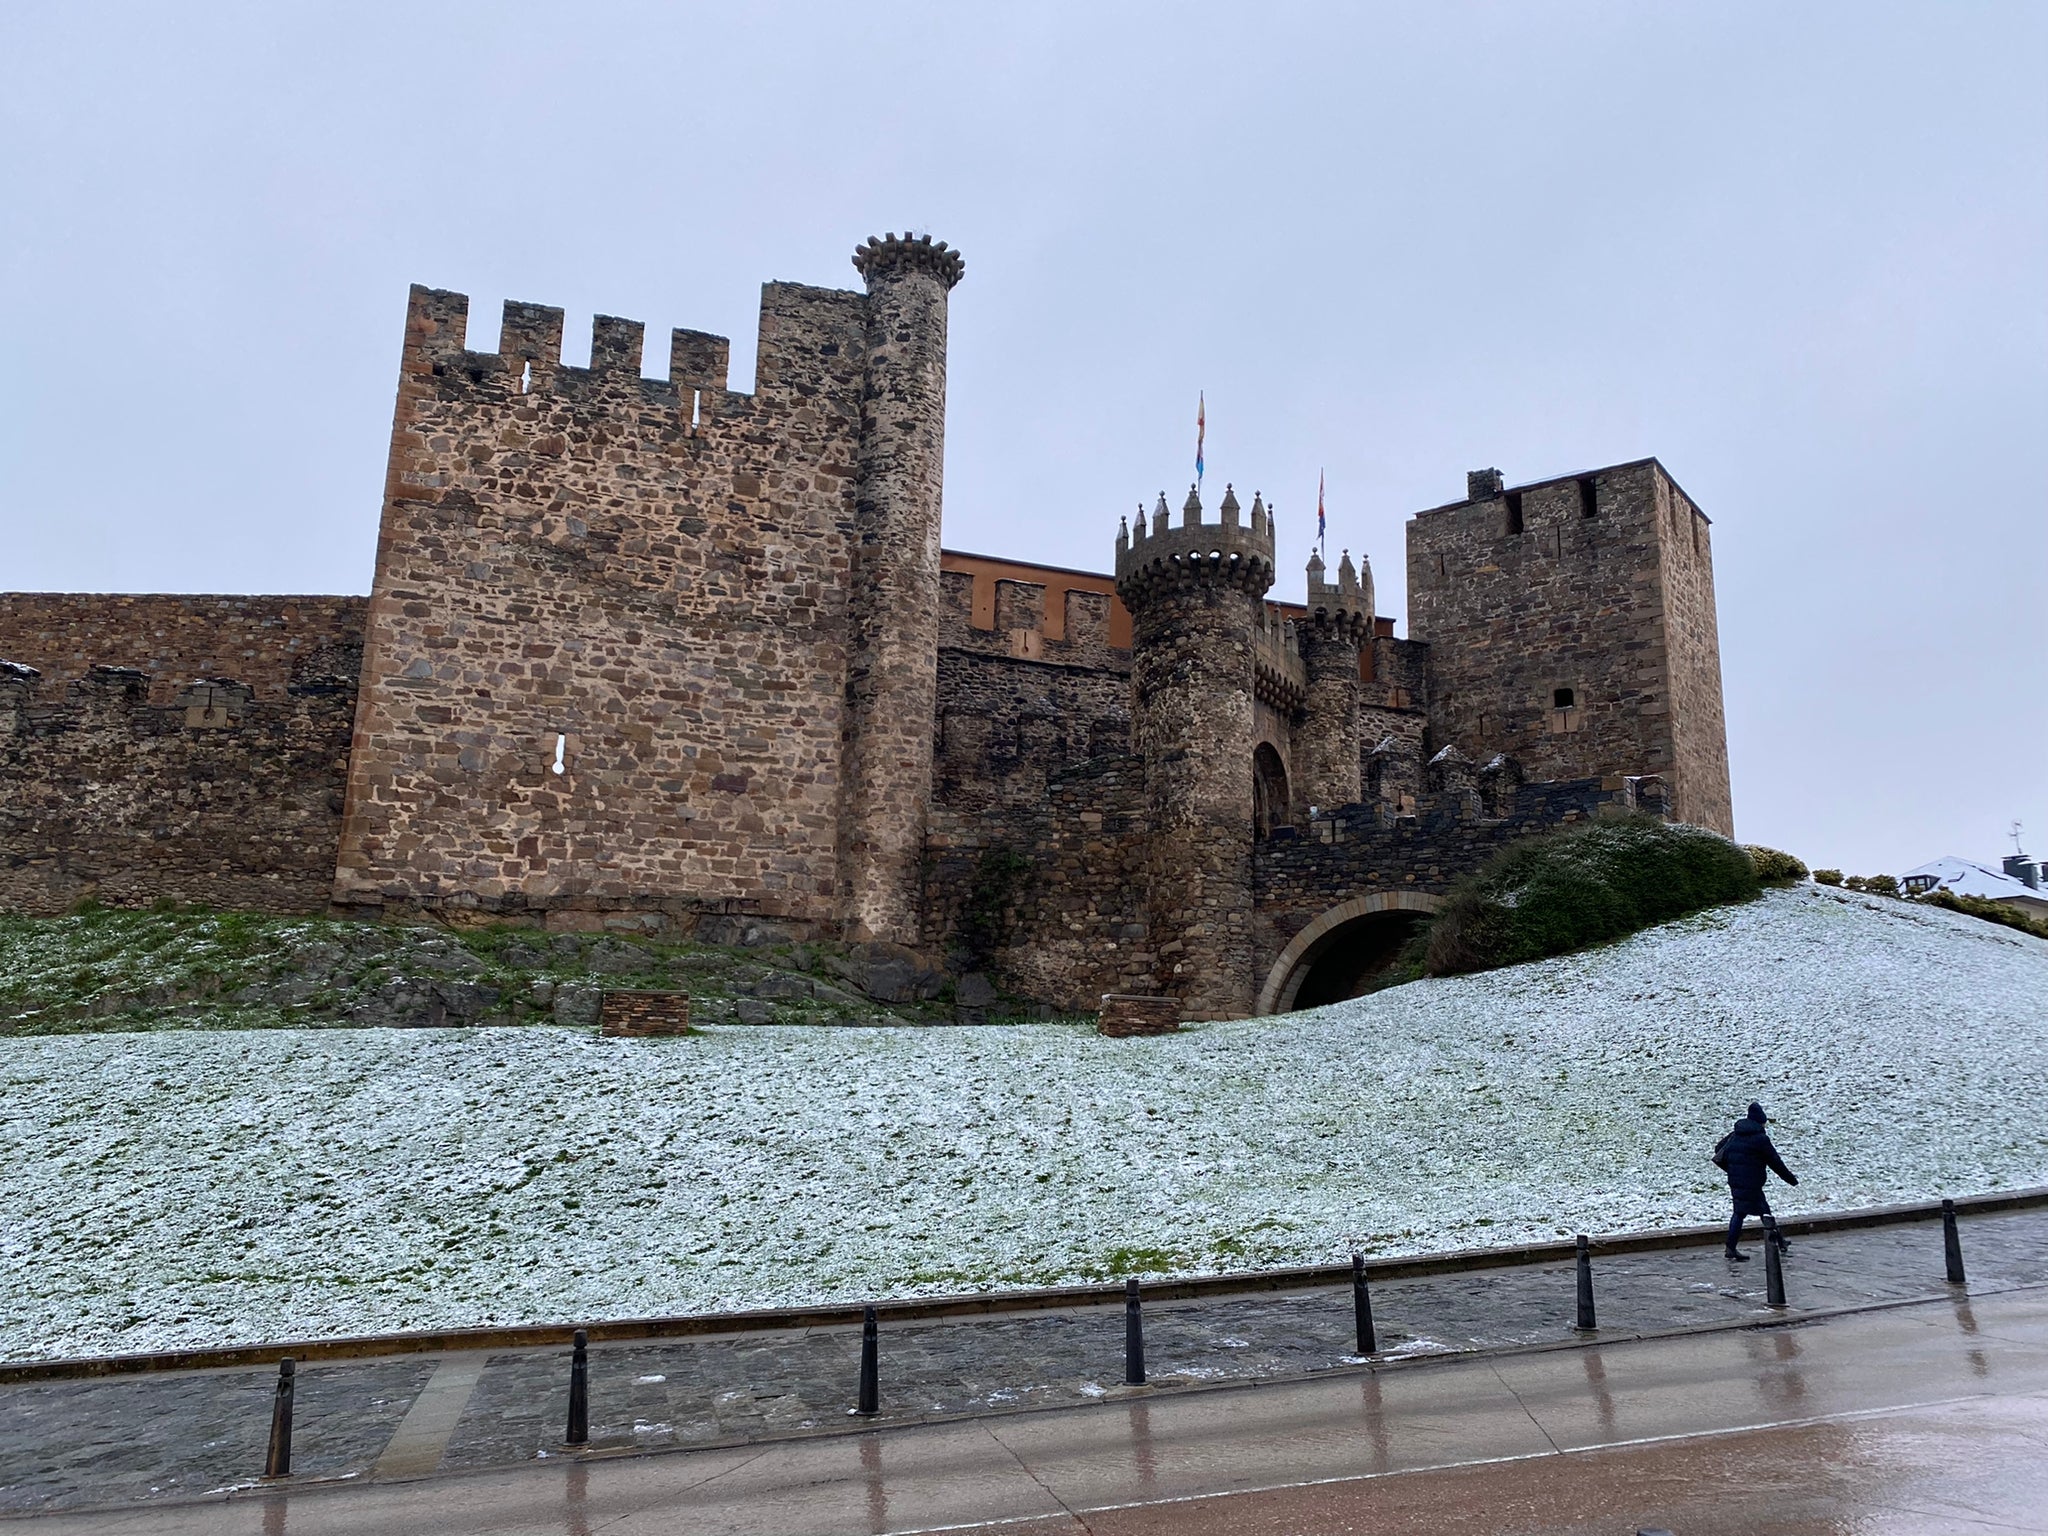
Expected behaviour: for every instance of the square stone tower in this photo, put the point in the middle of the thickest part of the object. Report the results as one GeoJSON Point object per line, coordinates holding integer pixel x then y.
{"type": "Point", "coordinates": [1570, 624]}
{"type": "Point", "coordinates": [654, 646]}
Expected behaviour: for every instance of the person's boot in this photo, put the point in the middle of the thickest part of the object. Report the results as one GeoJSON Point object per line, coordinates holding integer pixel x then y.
{"type": "Point", "coordinates": [1737, 1256]}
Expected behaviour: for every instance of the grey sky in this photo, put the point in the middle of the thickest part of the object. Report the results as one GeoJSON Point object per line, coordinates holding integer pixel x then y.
{"type": "Point", "coordinates": [1800, 253]}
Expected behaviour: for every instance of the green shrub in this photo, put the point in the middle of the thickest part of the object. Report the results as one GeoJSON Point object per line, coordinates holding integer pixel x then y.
{"type": "Point", "coordinates": [1827, 876]}
{"type": "Point", "coordinates": [1774, 867]}
{"type": "Point", "coordinates": [1881, 885]}
{"type": "Point", "coordinates": [1856, 883]}
{"type": "Point", "coordinates": [1998, 912]}
{"type": "Point", "coordinates": [1550, 894]}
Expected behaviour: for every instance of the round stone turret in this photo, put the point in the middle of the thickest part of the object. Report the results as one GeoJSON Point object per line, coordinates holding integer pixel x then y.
{"type": "Point", "coordinates": [888, 255]}
{"type": "Point", "coordinates": [892, 675]}
{"type": "Point", "coordinates": [1228, 551]}
{"type": "Point", "coordinates": [1196, 595]}
{"type": "Point", "coordinates": [1329, 635]}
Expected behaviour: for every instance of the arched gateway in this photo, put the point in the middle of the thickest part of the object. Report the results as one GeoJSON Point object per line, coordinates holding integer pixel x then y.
{"type": "Point", "coordinates": [1325, 962]}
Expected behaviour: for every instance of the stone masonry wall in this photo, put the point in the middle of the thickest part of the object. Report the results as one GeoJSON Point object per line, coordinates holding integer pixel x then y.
{"type": "Point", "coordinates": [265, 643]}
{"type": "Point", "coordinates": [216, 797]}
{"type": "Point", "coordinates": [1559, 586]}
{"type": "Point", "coordinates": [1699, 773]}
{"type": "Point", "coordinates": [1074, 923]}
{"type": "Point", "coordinates": [647, 577]}
{"type": "Point", "coordinates": [1014, 707]}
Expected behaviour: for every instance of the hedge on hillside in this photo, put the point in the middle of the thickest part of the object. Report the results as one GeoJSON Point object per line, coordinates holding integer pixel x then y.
{"type": "Point", "coordinates": [1990, 911]}
{"type": "Point", "coordinates": [1583, 885]}
{"type": "Point", "coordinates": [1773, 866]}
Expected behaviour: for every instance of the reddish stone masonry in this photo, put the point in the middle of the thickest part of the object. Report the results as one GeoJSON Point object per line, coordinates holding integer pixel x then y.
{"type": "Point", "coordinates": [635, 1015]}
{"type": "Point", "coordinates": [1125, 1014]}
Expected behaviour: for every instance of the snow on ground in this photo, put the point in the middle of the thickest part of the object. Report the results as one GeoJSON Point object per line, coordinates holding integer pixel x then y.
{"type": "Point", "coordinates": [169, 1189]}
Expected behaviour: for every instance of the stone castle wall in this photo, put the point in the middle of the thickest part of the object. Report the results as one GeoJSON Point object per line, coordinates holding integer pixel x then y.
{"type": "Point", "coordinates": [651, 577]}
{"type": "Point", "coordinates": [265, 643]}
{"type": "Point", "coordinates": [214, 797]}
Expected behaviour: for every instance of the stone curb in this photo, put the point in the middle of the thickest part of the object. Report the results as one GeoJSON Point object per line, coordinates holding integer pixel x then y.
{"type": "Point", "coordinates": [987, 1303]}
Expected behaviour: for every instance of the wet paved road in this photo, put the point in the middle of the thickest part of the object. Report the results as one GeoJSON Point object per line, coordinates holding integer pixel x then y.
{"type": "Point", "coordinates": [1927, 1418]}
{"type": "Point", "coordinates": [110, 1442]}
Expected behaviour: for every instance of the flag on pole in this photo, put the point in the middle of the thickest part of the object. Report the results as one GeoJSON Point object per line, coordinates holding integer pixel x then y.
{"type": "Point", "coordinates": [1201, 431]}
{"type": "Point", "coordinates": [1320, 527]}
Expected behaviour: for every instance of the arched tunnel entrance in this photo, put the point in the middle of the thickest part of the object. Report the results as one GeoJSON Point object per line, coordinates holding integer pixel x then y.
{"type": "Point", "coordinates": [1338, 954]}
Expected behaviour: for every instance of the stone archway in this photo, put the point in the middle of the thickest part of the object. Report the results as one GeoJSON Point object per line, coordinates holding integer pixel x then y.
{"type": "Point", "coordinates": [1283, 981]}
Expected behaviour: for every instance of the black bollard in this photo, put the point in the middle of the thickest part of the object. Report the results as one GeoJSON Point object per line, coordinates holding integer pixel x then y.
{"type": "Point", "coordinates": [1585, 1268]}
{"type": "Point", "coordinates": [1951, 1243]}
{"type": "Point", "coordinates": [870, 1397]}
{"type": "Point", "coordinates": [278, 1461]}
{"type": "Point", "coordinates": [1134, 1337]}
{"type": "Point", "coordinates": [1361, 1307]}
{"type": "Point", "coordinates": [579, 1389]}
{"type": "Point", "coordinates": [1774, 1266]}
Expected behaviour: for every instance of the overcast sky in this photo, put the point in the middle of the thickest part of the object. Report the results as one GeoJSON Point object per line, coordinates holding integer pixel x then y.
{"type": "Point", "coordinates": [1799, 253]}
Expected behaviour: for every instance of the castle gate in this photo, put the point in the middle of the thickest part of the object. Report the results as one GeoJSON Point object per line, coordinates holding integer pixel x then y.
{"type": "Point", "coordinates": [1328, 960]}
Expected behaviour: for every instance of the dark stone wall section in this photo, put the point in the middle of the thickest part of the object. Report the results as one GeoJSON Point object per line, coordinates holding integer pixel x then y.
{"type": "Point", "coordinates": [216, 798]}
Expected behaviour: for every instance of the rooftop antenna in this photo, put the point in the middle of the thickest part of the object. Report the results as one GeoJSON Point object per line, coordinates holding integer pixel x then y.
{"type": "Point", "coordinates": [2014, 834]}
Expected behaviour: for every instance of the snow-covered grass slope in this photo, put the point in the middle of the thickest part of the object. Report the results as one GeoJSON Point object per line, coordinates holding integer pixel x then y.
{"type": "Point", "coordinates": [188, 1187]}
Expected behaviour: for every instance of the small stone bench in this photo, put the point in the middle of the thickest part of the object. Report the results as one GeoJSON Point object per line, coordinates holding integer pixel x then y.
{"type": "Point", "coordinates": [637, 1015]}
{"type": "Point", "coordinates": [1126, 1013]}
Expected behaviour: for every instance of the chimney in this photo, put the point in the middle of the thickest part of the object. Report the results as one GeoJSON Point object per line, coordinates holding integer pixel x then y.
{"type": "Point", "coordinates": [1482, 483]}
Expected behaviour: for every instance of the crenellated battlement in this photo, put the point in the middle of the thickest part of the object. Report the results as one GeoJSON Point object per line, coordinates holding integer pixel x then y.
{"type": "Point", "coordinates": [528, 360]}
{"type": "Point", "coordinates": [891, 255]}
{"type": "Point", "coordinates": [1279, 677]}
{"type": "Point", "coordinates": [1165, 554]}
{"type": "Point", "coordinates": [1345, 607]}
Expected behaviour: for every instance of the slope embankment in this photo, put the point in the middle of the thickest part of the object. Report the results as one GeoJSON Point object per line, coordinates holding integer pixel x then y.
{"type": "Point", "coordinates": [198, 1186]}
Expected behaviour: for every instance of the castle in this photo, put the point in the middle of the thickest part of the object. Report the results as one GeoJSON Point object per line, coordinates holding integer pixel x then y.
{"type": "Point", "coordinates": [657, 654]}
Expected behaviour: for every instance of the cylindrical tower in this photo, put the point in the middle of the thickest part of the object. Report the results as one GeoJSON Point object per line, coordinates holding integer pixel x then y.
{"type": "Point", "coordinates": [1327, 745]}
{"type": "Point", "coordinates": [892, 673]}
{"type": "Point", "coordinates": [1195, 594]}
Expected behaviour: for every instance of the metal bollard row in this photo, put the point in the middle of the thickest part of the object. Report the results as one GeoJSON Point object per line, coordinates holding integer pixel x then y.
{"type": "Point", "coordinates": [278, 1456]}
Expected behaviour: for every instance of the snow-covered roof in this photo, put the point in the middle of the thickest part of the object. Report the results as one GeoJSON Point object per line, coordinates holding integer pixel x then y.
{"type": "Point", "coordinates": [1967, 879]}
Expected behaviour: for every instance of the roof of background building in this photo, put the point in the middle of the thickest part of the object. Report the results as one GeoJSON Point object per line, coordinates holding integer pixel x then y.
{"type": "Point", "coordinates": [1967, 879]}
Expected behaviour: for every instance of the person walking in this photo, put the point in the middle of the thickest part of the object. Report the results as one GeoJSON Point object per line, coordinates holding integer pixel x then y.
{"type": "Point", "coordinates": [1747, 1156]}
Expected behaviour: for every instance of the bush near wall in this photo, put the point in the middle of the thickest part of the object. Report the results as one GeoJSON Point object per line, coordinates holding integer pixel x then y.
{"type": "Point", "coordinates": [1991, 911]}
{"type": "Point", "coordinates": [1585, 885]}
{"type": "Point", "coordinates": [1773, 866]}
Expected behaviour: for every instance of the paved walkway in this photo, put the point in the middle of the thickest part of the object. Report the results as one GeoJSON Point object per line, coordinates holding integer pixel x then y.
{"type": "Point", "coordinates": [1921, 1419]}
{"type": "Point", "coordinates": [111, 1442]}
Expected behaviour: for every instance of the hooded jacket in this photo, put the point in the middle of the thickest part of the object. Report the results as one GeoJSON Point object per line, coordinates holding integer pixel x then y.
{"type": "Point", "coordinates": [1746, 1152]}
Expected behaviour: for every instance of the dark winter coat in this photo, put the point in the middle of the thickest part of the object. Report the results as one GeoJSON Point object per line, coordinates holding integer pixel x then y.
{"type": "Point", "coordinates": [1746, 1152]}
